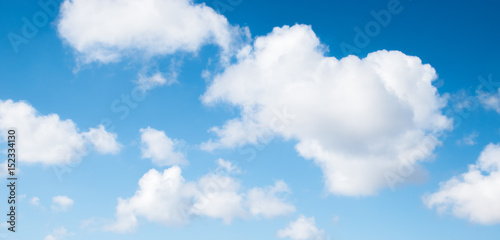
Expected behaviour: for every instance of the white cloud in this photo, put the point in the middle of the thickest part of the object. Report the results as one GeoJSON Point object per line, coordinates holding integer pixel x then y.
{"type": "Point", "coordinates": [357, 118]}
{"type": "Point", "coordinates": [61, 203]}
{"type": "Point", "coordinates": [469, 140]}
{"type": "Point", "coordinates": [106, 30]}
{"type": "Point", "coordinates": [218, 194]}
{"type": "Point", "coordinates": [490, 101]}
{"type": "Point", "coordinates": [49, 140]}
{"type": "Point", "coordinates": [35, 201]}
{"type": "Point", "coordinates": [161, 197]}
{"type": "Point", "coordinates": [302, 229]}
{"type": "Point", "coordinates": [227, 166]}
{"type": "Point", "coordinates": [161, 149]}
{"type": "Point", "coordinates": [155, 80]}
{"type": "Point", "coordinates": [266, 202]}
{"type": "Point", "coordinates": [219, 197]}
{"type": "Point", "coordinates": [103, 141]}
{"type": "Point", "coordinates": [473, 195]}
{"type": "Point", "coordinates": [169, 199]}
{"type": "Point", "coordinates": [58, 234]}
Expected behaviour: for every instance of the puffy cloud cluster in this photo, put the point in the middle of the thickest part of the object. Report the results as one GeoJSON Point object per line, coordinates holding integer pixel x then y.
{"type": "Point", "coordinates": [106, 30]}
{"type": "Point", "coordinates": [160, 148]}
{"type": "Point", "coordinates": [473, 195]}
{"type": "Point", "coordinates": [359, 119]}
{"type": "Point", "coordinates": [302, 229]}
{"type": "Point", "coordinates": [169, 199]}
{"type": "Point", "coordinates": [49, 140]}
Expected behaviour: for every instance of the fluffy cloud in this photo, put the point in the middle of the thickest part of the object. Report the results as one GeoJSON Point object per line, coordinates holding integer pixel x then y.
{"type": "Point", "coordinates": [490, 101]}
{"type": "Point", "coordinates": [105, 30]}
{"type": "Point", "coordinates": [169, 199]}
{"type": "Point", "coordinates": [61, 203]}
{"type": "Point", "coordinates": [359, 119]}
{"type": "Point", "coordinates": [473, 195]}
{"type": "Point", "coordinates": [218, 196]}
{"type": "Point", "coordinates": [47, 139]}
{"type": "Point", "coordinates": [102, 141]}
{"type": "Point", "coordinates": [160, 148]}
{"type": "Point", "coordinates": [58, 234]}
{"type": "Point", "coordinates": [266, 201]}
{"type": "Point", "coordinates": [302, 229]}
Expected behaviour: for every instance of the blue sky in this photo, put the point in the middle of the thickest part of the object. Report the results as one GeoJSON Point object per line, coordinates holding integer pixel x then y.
{"type": "Point", "coordinates": [187, 68]}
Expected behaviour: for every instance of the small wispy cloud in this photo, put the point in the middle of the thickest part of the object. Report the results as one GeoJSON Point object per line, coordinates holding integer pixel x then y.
{"type": "Point", "coordinates": [35, 201]}
{"type": "Point", "coordinates": [61, 203]}
{"type": "Point", "coordinates": [469, 140]}
{"type": "Point", "coordinates": [58, 234]}
{"type": "Point", "coordinates": [148, 82]}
